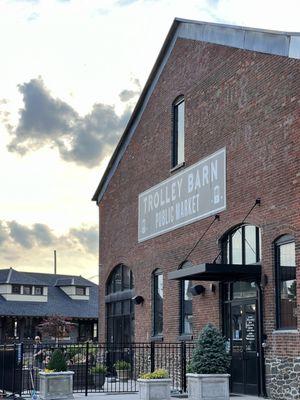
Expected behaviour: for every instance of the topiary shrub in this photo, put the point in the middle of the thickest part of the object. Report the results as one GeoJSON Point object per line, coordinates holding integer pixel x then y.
{"type": "Point", "coordinates": [209, 355]}
{"type": "Point", "coordinates": [57, 362]}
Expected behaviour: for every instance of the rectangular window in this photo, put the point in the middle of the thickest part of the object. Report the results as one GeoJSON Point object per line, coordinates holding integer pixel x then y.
{"type": "Point", "coordinates": [286, 286]}
{"type": "Point", "coordinates": [178, 132]}
{"type": "Point", "coordinates": [38, 290]}
{"type": "Point", "coordinates": [158, 296]}
{"type": "Point", "coordinates": [16, 289]}
{"type": "Point", "coordinates": [27, 289]}
{"type": "Point", "coordinates": [80, 291]}
{"type": "Point", "coordinates": [186, 308]}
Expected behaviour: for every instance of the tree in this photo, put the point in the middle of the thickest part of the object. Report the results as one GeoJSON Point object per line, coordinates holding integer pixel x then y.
{"type": "Point", "coordinates": [210, 356]}
{"type": "Point", "coordinates": [56, 326]}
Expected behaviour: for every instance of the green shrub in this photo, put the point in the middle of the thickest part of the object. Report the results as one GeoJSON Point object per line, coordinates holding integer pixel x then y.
{"type": "Point", "coordinates": [157, 374]}
{"type": "Point", "coordinates": [121, 365]}
{"type": "Point", "coordinates": [210, 356]}
{"type": "Point", "coordinates": [99, 369]}
{"type": "Point", "coordinates": [57, 362]}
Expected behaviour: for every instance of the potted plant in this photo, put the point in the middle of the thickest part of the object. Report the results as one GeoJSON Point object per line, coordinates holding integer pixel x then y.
{"type": "Point", "coordinates": [98, 372]}
{"type": "Point", "coordinates": [122, 368]}
{"type": "Point", "coordinates": [155, 385]}
{"type": "Point", "coordinates": [208, 378]}
{"type": "Point", "coordinates": [55, 381]}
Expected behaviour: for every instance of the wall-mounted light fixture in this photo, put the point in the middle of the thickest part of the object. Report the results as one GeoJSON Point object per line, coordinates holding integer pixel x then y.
{"type": "Point", "coordinates": [197, 289]}
{"type": "Point", "coordinates": [138, 299]}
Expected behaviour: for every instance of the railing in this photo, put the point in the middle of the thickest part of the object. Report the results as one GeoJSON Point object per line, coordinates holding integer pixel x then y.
{"type": "Point", "coordinates": [19, 363]}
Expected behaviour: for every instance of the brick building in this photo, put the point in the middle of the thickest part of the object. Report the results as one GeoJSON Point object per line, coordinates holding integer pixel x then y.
{"type": "Point", "coordinates": [216, 131]}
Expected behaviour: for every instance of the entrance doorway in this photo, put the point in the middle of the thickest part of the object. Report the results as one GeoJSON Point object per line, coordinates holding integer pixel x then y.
{"type": "Point", "coordinates": [241, 331]}
{"type": "Point", "coordinates": [244, 370]}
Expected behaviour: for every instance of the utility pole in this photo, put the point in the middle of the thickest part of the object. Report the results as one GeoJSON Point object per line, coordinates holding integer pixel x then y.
{"type": "Point", "coordinates": [54, 262]}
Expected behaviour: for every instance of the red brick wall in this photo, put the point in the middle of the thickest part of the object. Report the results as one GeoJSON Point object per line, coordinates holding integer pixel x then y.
{"type": "Point", "coordinates": [247, 102]}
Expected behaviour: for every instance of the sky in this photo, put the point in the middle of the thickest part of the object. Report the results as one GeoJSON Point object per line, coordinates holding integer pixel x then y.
{"type": "Point", "coordinates": [71, 72]}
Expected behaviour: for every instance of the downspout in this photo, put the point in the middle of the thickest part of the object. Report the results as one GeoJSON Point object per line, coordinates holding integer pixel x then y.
{"type": "Point", "coordinates": [262, 371]}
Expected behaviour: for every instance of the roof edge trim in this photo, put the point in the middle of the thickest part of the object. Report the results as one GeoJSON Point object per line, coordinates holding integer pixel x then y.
{"type": "Point", "coordinates": [285, 44]}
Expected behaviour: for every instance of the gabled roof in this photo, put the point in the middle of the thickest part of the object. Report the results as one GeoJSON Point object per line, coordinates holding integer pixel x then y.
{"type": "Point", "coordinates": [11, 276]}
{"type": "Point", "coordinates": [73, 281]}
{"type": "Point", "coordinates": [58, 301]}
{"type": "Point", "coordinates": [285, 44]}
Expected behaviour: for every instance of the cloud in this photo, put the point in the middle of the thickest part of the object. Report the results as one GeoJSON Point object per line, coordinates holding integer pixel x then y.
{"type": "Point", "coordinates": [45, 120]}
{"type": "Point", "coordinates": [40, 235]}
{"type": "Point", "coordinates": [127, 94]}
{"type": "Point", "coordinates": [87, 237]}
{"type": "Point", "coordinates": [3, 233]}
{"type": "Point", "coordinates": [30, 247]}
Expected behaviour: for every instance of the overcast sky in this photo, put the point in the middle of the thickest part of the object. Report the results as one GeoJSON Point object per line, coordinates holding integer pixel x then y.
{"type": "Point", "coordinates": [71, 72]}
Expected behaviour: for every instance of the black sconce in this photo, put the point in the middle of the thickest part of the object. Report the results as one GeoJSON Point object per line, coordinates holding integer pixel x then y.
{"type": "Point", "coordinates": [197, 289]}
{"type": "Point", "coordinates": [138, 299]}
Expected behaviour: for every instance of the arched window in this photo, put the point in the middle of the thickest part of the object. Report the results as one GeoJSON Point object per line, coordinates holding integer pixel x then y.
{"type": "Point", "coordinates": [178, 132]}
{"type": "Point", "coordinates": [119, 307]}
{"type": "Point", "coordinates": [186, 305]}
{"type": "Point", "coordinates": [157, 302]}
{"type": "Point", "coordinates": [286, 284]}
{"type": "Point", "coordinates": [242, 245]}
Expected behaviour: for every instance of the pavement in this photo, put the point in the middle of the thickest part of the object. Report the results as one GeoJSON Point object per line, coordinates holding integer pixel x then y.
{"type": "Point", "coordinates": [135, 396]}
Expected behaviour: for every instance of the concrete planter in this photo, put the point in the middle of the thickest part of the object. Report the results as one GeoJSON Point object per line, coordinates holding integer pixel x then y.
{"type": "Point", "coordinates": [123, 374]}
{"type": "Point", "coordinates": [208, 386]}
{"type": "Point", "coordinates": [56, 385]}
{"type": "Point", "coordinates": [154, 389]}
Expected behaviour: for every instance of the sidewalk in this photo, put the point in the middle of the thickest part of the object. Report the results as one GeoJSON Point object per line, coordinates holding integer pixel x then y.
{"type": "Point", "coordinates": [135, 396]}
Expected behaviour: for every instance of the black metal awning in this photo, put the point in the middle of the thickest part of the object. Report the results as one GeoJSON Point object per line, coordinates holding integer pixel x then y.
{"type": "Point", "coordinates": [218, 272]}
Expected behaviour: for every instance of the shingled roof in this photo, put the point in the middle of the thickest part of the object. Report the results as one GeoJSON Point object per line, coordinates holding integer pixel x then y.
{"type": "Point", "coordinates": [286, 44]}
{"type": "Point", "coordinates": [58, 301]}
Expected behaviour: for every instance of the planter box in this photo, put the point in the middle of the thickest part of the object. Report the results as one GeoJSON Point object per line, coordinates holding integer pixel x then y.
{"type": "Point", "coordinates": [154, 389]}
{"type": "Point", "coordinates": [98, 380]}
{"type": "Point", "coordinates": [56, 385]}
{"type": "Point", "coordinates": [208, 386]}
{"type": "Point", "coordinates": [123, 374]}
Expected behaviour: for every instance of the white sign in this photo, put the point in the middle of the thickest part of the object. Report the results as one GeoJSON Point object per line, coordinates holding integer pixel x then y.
{"type": "Point", "coordinates": [195, 193]}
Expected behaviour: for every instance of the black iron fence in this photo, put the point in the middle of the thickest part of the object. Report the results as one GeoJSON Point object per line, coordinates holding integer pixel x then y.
{"type": "Point", "coordinates": [19, 367]}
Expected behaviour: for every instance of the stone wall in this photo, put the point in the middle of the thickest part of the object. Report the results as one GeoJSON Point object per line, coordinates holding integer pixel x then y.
{"type": "Point", "coordinates": [283, 378]}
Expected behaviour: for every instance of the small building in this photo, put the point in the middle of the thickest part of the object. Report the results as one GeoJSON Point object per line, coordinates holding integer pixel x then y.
{"type": "Point", "coordinates": [26, 298]}
{"type": "Point", "coordinates": [199, 205]}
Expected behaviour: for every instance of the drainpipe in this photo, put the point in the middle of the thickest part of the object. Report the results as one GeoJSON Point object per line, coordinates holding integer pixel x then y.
{"type": "Point", "coordinates": [262, 372]}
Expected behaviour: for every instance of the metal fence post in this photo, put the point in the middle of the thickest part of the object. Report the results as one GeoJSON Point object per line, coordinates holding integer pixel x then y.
{"type": "Point", "coordinates": [14, 369]}
{"type": "Point", "coordinates": [183, 366]}
{"type": "Point", "coordinates": [87, 368]}
{"type": "Point", "coordinates": [152, 356]}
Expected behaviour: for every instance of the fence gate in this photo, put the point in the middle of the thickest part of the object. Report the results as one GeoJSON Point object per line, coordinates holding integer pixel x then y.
{"type": "Point", "coordinates": [11, 368]}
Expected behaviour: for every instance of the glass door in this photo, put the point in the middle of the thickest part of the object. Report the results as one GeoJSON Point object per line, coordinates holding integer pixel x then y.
{"type": "Point", "coordinates": [244, 366]}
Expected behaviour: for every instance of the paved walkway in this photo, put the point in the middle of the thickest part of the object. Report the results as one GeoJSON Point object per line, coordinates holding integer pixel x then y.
{"type": "Point", "coordinates": [135, 396]}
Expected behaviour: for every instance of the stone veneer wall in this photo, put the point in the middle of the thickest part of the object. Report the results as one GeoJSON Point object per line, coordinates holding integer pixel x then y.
{"type": "Point", "coordinates": [283, 378]}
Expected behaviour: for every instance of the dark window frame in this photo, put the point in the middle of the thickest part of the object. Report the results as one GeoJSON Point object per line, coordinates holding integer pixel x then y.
{"type": "Point", "coordinates": [178, 101]}
{"type": "Point", "coordinates": [30, 290]}
{"type": "Point", "coordinates": [119, 307]}
{"type": "Point", "coordinates": [111, 283]}
{"type": "Point", "coordinates": [155, 330]}
{"type": "Point", "coordinates": [227, 241]}
{"type": "Point", "coordinates": [284, 239]}
{"type": "Point", "coordinates": [184, 309]}
{"type": "Point", "coordinates": [42, 290]}
{"type": "Point", "coordinates": [16, 287]}
{"type": "Point", "coordinates": [79, 288]}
